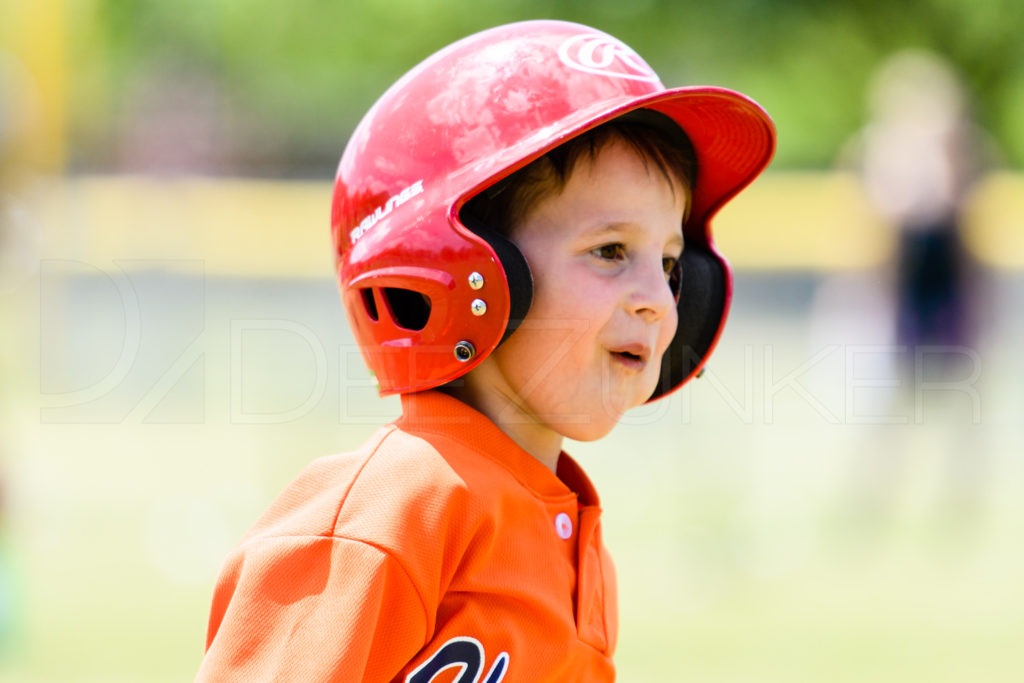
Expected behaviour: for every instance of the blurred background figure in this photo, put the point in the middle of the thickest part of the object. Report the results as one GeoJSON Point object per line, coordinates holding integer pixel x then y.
{"type": "Point", "coordinates": [919, 156]}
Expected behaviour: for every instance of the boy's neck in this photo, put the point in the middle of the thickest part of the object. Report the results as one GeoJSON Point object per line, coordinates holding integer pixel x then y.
{"type": "Point", "coordinates": [506, 411]}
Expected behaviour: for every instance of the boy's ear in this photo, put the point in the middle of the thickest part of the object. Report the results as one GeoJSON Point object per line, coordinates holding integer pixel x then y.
{"type": "Point", "coordinates": [702, 306]}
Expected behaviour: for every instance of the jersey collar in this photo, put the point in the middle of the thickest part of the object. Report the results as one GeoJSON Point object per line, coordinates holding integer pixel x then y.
{"type": "Point", "coordinates": [434, 412]}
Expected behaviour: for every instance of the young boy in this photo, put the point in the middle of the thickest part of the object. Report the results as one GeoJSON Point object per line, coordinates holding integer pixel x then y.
{"type": "Point", "coordinates": [509, 222]}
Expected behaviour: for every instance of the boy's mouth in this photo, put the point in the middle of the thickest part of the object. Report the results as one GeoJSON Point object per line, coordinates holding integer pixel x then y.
{"type": "Point", "coordinates": [633, 356]}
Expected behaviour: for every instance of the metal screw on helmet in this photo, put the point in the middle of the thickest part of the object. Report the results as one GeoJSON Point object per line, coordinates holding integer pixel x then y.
{"type": "Point", "coordinates": [479, 307]}
{"type": "Point", "coordinates": [464, 351]}
{"type": "Point", "coordinates": [476, 280]}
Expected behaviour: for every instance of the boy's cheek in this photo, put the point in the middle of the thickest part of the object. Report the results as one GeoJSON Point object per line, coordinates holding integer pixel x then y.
{"type": "Point", "coordinates": [668, 332]}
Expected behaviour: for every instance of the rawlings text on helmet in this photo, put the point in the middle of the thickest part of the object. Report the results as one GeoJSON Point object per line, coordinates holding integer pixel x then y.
{"type": "Point", "coordinates": [385, 209]}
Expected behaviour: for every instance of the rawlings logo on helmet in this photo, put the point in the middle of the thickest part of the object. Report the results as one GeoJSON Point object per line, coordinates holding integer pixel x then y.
{"type": "Point", "coordinates": [597, 53]}
{"type": "Point", "coordinates": [384, 210]}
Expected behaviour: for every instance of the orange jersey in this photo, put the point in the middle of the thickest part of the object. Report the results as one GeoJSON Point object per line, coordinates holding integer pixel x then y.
{"type": "Point", "coordinates": [439, 551]}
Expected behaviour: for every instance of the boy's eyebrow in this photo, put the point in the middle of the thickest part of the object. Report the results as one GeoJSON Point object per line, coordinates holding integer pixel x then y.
{"type": "Point", "coordinates": [613, 229]}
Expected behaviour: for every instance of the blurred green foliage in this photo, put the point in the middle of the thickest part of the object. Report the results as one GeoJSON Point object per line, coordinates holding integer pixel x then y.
{"type": "Point", "coordinates": [289, 80]}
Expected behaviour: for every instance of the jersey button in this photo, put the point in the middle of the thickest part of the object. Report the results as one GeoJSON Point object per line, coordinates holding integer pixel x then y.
{"type": "Point", "coordinates": [563, 526]}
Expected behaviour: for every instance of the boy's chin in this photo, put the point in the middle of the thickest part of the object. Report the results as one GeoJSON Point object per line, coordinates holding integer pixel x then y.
{"type": "Point", "coordinates": [590, 429]}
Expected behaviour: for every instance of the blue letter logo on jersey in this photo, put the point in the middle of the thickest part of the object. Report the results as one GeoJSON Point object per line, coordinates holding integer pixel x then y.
{"type": "Point", "coordinates": [468, 655]}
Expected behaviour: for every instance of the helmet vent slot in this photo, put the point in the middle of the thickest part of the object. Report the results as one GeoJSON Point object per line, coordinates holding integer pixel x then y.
{"type": "Point", "coordinates": [409, 309]}
{"type": "Point", "coordinates": [369, 303]}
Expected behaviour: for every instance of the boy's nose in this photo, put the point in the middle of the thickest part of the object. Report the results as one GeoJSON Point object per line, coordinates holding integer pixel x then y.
{"type": "Point", "coordinates": [650, 296]}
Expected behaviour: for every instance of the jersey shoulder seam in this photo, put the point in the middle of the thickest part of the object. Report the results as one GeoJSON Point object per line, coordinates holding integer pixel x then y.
{"type": "Point", "coordinates": [379, 548]}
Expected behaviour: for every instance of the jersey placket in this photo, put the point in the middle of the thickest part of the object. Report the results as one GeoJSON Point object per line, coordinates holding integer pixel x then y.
{"type": "Point", "coordinates": [592, 603]}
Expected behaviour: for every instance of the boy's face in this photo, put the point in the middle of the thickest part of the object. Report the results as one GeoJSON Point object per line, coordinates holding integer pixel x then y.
{"type": "Point", "coordinates": [603, 314]}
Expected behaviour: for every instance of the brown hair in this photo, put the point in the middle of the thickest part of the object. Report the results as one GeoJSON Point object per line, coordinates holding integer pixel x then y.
{"type": "Point", "coordinates": [654, 137]}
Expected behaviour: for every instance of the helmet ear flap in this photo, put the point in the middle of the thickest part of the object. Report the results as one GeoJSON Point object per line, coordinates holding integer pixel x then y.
{"type": "Point", "coordinates": [702, 304]}
{"type": "Point", "coordinates": [517, 271]}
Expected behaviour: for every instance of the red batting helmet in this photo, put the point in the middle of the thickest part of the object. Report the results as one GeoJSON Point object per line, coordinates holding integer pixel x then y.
{"type": "Point", "coordinates": [429, 297]}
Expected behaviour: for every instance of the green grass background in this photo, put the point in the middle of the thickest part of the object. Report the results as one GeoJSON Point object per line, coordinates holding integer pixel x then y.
{"type": "Point", "coordinates": [763, 531]}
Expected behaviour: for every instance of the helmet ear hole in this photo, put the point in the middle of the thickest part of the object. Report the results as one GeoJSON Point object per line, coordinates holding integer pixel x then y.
{"type": "Point", "coordinates": [409, 309]}
{"type": "Point", "coordinates": [369, 303]}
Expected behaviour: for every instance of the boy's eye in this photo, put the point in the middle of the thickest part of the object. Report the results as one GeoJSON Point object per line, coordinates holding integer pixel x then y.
{"type": "Point", "coordinates": [611, 252]}
{"type": "Point", "coordinates": [668, 264]}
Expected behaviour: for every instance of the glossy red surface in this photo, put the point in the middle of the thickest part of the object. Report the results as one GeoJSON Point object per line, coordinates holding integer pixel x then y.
{"type": "Point", "coordinates": [466, 117]}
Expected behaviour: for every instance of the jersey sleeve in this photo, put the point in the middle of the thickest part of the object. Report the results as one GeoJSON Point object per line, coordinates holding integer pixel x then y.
{"type": "Point", "coordinates": [312, 608]}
